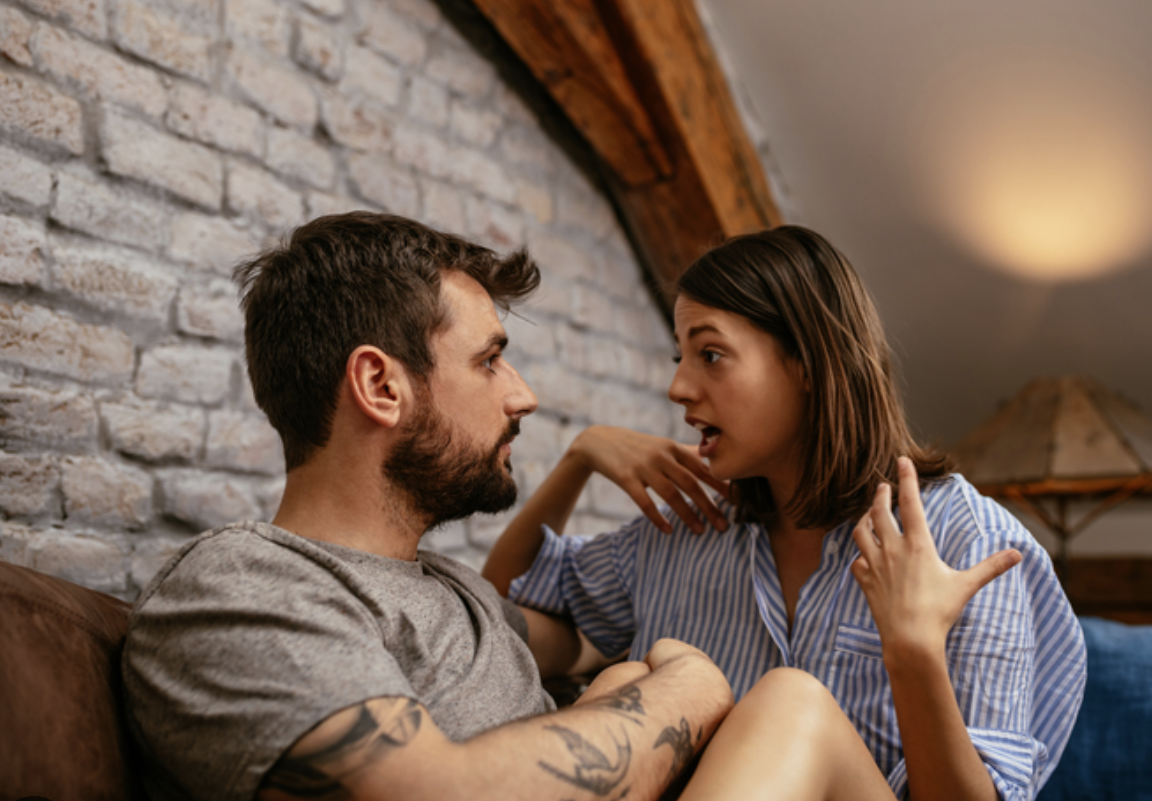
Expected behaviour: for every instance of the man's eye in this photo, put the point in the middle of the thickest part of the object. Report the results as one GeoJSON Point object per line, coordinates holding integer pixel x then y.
{"type": "Point", "coordinates": [487, 363]}
{"type": "Point", "coordinates": [676, 358]}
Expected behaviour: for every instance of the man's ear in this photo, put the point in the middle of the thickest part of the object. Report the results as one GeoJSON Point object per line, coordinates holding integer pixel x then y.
{"type": "Point", "coordinates": [379, 384]}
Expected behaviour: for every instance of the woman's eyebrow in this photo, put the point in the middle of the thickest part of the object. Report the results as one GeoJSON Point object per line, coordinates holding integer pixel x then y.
{"type": "Point", "coordinates": [696, 330]}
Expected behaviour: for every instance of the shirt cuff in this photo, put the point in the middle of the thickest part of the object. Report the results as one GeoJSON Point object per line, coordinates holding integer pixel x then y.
{"type": "Point", "coordinates": [1009, 758]}
{"type": "Point", "coordinates": [540, 587]}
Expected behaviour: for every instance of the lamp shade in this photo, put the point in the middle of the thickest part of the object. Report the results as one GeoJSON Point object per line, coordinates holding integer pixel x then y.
{"type": "Point", "coordinates": [1060, 436]}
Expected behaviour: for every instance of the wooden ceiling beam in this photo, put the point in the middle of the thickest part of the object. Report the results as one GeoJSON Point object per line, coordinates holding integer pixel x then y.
{"type": "Point", "coordinates": [640, 80]}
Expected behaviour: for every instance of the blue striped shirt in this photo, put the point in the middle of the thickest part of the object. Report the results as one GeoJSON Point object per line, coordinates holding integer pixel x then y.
{"type": "Point", "coordinates": [1015, 656]}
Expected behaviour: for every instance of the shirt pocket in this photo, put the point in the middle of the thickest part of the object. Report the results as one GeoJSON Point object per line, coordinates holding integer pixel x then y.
{"type": "Point", "coordinates": [859, 641]}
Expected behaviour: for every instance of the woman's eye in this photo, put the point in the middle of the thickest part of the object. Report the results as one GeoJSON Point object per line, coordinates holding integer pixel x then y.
{"type": "Point", "coordinates": [676, 358]}
{"type": "Point", "coordinates": [710, 356]}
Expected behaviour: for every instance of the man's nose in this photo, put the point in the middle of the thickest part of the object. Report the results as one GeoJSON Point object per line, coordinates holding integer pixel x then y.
{"type": "Point", "coordinates": [521, 401]}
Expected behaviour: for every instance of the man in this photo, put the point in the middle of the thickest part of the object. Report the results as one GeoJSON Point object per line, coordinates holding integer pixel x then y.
{"type": "Point", "coordinates": [323, 656]}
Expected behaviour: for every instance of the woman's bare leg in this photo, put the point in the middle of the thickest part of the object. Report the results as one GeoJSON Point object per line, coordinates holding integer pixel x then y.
{"type": "Point", "coordinates": [787, 739]}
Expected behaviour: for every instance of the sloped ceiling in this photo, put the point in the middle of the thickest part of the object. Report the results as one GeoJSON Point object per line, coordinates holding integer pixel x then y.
{"type": "Point", "coordinates": [988, 168]}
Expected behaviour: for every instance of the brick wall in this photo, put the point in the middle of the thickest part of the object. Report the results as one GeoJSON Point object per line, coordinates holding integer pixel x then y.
{"type": "Point", "coordinates": [145, 145]}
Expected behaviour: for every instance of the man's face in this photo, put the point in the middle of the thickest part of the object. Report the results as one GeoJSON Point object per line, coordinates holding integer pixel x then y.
{"type": "Point", "coordinates": [454, 456]}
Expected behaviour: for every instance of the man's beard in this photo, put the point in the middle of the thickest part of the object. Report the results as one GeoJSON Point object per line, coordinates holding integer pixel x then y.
{"type": "Point", "coordinates": [444, 480]}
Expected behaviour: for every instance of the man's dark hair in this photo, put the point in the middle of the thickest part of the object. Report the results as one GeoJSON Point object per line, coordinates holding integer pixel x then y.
{"type": "Point", "coordinates": [793, 284]}
{"type": "Point", "coordinates": [348, 280]}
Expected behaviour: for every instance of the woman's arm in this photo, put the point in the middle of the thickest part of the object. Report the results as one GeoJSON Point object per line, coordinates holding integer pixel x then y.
{"type": "Point", "coordinates": [633, 461]}
{"type": "Point", "coordinates": [915, 599]}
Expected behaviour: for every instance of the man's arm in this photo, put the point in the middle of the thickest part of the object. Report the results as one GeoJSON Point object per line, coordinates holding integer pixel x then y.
{"type": "Point", "coordinates": [630, 741]}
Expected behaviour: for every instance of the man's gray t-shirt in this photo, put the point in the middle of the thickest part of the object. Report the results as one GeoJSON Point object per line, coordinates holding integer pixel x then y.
{"type": "Point", "coordinates": [251, 636]}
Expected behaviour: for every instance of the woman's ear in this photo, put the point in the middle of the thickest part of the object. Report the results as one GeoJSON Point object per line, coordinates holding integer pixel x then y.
{"type": "Point", "coordinates": [379, 384]}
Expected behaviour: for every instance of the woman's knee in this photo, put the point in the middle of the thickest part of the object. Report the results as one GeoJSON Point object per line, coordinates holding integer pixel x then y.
{"type": "Point", "coordinates": [788, 694]}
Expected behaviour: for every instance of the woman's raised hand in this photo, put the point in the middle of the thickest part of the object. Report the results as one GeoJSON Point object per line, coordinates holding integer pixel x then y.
{"type": "Point", "coordinates": [915, 597]}
{"type": "Point", "coordinates": [636, 462]}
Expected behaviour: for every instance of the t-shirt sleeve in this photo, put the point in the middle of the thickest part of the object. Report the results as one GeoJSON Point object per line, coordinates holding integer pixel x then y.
{"type": "Point", "coordinates": [588, 580]}
{"type": "Point", "coordinates": [240, 650]}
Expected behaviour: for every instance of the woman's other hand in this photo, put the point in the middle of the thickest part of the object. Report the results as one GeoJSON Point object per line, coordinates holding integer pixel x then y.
{"type": "Point", "coordinates": [915, 597]}
{"type": "Point", "coordinates": [637, 462]}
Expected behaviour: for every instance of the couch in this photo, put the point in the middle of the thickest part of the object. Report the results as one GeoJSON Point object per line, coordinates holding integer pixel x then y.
{"type": "Point", "coordinates": [62, 734]}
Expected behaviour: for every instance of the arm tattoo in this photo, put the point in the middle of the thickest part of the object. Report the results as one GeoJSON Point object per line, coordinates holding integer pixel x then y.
{"type": "Point", "coordinates": [681, 742]}
{"type": "Point", "coordinates": [624, 702]}
{"type": "Point", "coordinates": [592, 770]}
{"type": "Point", "coordinates": [318, 772]}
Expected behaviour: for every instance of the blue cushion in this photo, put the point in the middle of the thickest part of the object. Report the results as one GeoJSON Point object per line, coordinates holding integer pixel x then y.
{"type": "Point", "coordinates": [1109, 755]}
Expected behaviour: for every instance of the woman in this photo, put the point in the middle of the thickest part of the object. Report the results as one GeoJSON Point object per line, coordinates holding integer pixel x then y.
{"type": "Point", "coordinates": [960, 671]}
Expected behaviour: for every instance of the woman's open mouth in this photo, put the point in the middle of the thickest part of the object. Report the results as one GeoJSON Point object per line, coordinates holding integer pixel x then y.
{"type": "Point", "coordinates": [710, 436]}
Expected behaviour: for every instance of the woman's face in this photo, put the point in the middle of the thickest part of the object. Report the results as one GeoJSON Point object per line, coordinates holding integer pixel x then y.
{"type": "Point", "coordinates": [740, 390]}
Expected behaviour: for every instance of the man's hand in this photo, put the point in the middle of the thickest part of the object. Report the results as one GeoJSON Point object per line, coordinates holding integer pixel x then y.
{"type": "Point", "coordinates": [637, 462]}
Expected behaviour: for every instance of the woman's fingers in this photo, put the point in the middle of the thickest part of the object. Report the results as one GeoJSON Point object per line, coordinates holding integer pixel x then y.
{"type": "Point", "coordinates": [911, 506]}
{"type": "Point", "coordinates": [996, 565]}
{"type": "Point", "coordinates": [865, 538]}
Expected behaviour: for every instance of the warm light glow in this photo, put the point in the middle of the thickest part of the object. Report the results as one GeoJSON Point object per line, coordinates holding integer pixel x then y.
{"type": "Point", "coordinates": [1051, 188]}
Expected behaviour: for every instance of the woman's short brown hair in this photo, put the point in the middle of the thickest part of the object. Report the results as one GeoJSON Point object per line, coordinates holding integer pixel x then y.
{"type": "Point", "coordinates": [793, 284]}
{"type": "Point", "coordinates": [348, 280]}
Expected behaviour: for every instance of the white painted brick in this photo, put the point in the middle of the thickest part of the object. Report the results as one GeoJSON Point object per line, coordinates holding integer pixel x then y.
{"type": "Point", "coordinates": [358, 124]}
{"type": "Point", "coordinates": [511, 106]}
{"type": "Point", "coordinates": [135, 150]}
{"type": "Point", "coordinates": [207, 500]}
{"type": "Point", "coordinates": [535, 200]}
{"type": "Point", "coordinates": [528, 148]}
{"type": "Point", "coordinates": [558, 389]}
{"type": "Point", "coordinates": [585, 209]}
{"type": "Point", "coordinates": [475, 125]}
{"type": "Point", "coordinates": [462, 71]}
{"type": "Point", "coordinates": [390, 34]}
{"type": "Point", "coordinates": [15, 30]}
{"type": "Point", "coordinates": [606, 358]}
{"type": "Point", "coordinates": [114, 280]}
{"type": "Point", "coordinates": [209, 243]}
{"type": "Point", "coordinates": [277, 90]}
{"type": "Point", "coordinates": [21, 251]}
{"type": "Point", "coordinates": [619, 274]}
{"type": "Point", "coordinates": [366, 74]}
{"type": "Point", "coordinates": [300, 157]}
{"type": "Point", "coordinates": [98, 492]}
{"type": "Point", "coordinates": [63, 419]}
{"type": "Point", "coordinates": [591, 309]}
{"type": "Point", "coordinates": [443, 206]}
{"type": "Point", "coordinates": [14, 539]}
{"type": "Point", "coordinates": [319, 49]}
{"type": "Point", "coordinates": [41, 339]}
{"type": "Point", "coordinates": [86, 16]}
{"type": "Point", "coordinates": [321, 205]}
{"type": "Point", "coordinates": [609, 500]}
{"type": "Point", "coordinates": [484, 530]}
{"type": "Point", "coordinates": [380, 181]}
{"type": "Point", "coordinates": [255, 194]}
{"type": "Point", "coordinates": [98, 563]}
{"type": "Point", "coordinates": [215, 120]}
{"type": "Point", "coordinates": [570, 347]}
{"type": "Point", "coordinates": [33, 110]}
{"type": "Point", "coordinates": [428, 101]}
{"type": "Point", "coordinates": [327, 8]}
{"type": "Point", "coordinates": [163, 39]}
{"type": "Point", "coordinates": [27, 484]}
{"type": "Point", "coordinates": [552, 296]}
{"type": "Point", "coordinates": [446, 538]}
{"type": "Point", "coordinates": [422, 150]}
{"type": "Point", "coordinates": [149, 556]}
{"type": "Point", "coordinates": [492, 224]}
{"type": "Point", "coordinates": [102, 211]}
{"type": "Point", "coordinates": [661, 373]}
{"type": "Point", "coordinates": [210, 310]}
{"type": "Point", "coordinates": [262, 21]}
{"type": "Point", "coordinates": [246, 442]}
{"type": "Point", "coordinates": [269, 493]}
{"type": "Point", "coordinates": [611, 404]}
{"type": "Point", "coordinates": [558, 256]}
{"type": "Point", "coordinates": [153, 431]}
{"type": "Point", "coordinates": [528, 338]}
{"type": "Point", "coordinates": [24, 178]}
{"type": "Point", "coordinates": [185, 373]}
{"type": "Point", "coordinates": [425, 12]}
{"type": "Point", "coordinates": [476, 171]}
{"type": "Point", "coordinates": [96, 72]}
